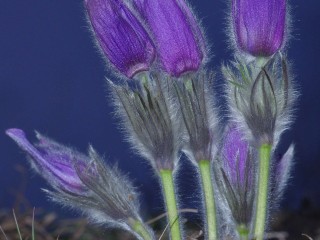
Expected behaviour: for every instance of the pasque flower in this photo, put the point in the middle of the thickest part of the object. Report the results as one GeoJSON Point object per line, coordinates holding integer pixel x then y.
{"type": "Point", "coordinates": [261, 100]}
{"type": "Point", "coordinates": [121, 36]}
{"type": "Point", "coordinates": [175, 33]}
{"type": "Point", "coordinates": [84, 183]}
{"type": "Point", "coordinates": [259, 26]}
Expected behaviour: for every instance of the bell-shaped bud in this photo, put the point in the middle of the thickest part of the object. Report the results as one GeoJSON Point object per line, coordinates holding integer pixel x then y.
{"type": "Point", "coordinates": [121, 36]}
{"type": "Point", "coordinates": [175, 33]}
{"type": "Point", "coordinates": [259, 26]}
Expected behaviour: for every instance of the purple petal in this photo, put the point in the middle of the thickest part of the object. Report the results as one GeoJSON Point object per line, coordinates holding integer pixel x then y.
{"type": "Point", "coordinates": [173, 28]}
{"type": "Point", "coordinates": [121, 36]}
{"type": "Point", "coordinates": [259, 26]}
{"type": "Point", "coordinates": [235, 153]}
{"type": "Point", "coordinates": [51, 160]}
{"type": "Point", "coordinates": [194, 25]}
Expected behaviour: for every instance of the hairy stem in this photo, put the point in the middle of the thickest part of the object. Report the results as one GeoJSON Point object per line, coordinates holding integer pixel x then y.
{"type": "Point", "coordinates": [243, 232]}
{"type": "Point", "coordinates": [207, 186]}
{"type": "Point", "coordinates": [141, 229]}
{"type": "Point", "coordinates": [171, 204]}
{"type": "Point", "coordinates": [262, 194]}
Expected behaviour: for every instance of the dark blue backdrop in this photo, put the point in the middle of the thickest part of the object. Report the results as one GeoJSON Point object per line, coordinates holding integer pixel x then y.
{"type": "Point", "coordinates": [52, 80]}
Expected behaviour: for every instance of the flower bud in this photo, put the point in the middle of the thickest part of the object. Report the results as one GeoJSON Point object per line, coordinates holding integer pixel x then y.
{"type": "Point", "coordinates": [235, 156]}
{"type": "Point", "coordinates": [238, 172]}
{"type": "Point", "coordinates": [84, 183]}
{"type": "Point", "coordinates": [259, 26]}
{"type": "Point", "coordinates": [53, 161]}
{"type": "Point", "coordinates": [121, 36]}
{"type": "Point", "coordinates": [175, 33]}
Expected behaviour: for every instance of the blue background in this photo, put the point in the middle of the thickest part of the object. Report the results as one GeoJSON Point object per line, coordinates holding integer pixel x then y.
{"type": "Point", "coordinates": [53, 80]}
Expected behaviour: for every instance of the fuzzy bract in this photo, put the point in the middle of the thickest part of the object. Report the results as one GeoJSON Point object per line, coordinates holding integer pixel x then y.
{"type": "Point", "coordinates": [261, 99]}
{"type": "Point", "coordinates": [121, 36]}
{"type": "Point", "coordinates": [149, 117]}
{"type": "Point", "coordinates": [197, 110]}
{"type": "Point", "coordinates": [283, 166]}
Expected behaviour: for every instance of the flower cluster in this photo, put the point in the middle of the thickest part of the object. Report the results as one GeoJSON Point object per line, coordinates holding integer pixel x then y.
{"type": "Point", "coordinates": [139, 35]}
{"type": "Point", "coordinates": [165, 102]}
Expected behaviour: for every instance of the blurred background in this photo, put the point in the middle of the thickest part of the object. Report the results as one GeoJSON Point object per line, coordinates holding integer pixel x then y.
{"type": "Point", "coordinates": [52, 79]}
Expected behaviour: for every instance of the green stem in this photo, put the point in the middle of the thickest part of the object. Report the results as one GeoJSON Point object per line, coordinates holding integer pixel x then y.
{"type": "Point", "coordinates": [262, 196]}
{"type": "Point", "coordinates": [205, 172]}
{"type": "Point", "coordinates": [171, 204]}
{"type": "Point", "coordinates": [142, 77]}
{"type": "Point", "coordinates": [243, 232]}
{"type": "Point", "coordinates": [140, 229]}
{"type": "Point", "coordinates": [261, 61]}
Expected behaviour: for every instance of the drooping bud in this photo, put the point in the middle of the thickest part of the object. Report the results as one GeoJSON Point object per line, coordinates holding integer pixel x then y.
{"type": "Point", "coordinates": [85, 183]}
{"type": "Point", "coordinates": [121, 36]}
{"type": "Point", "coordinates": [259, 26]}
{"type": "Point", "coordinates": [175, 32]}
{"type": "Point", "coordinates": [53, 161]}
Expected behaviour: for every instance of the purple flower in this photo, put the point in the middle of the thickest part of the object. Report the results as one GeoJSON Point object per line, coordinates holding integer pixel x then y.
{"type": "Point", "coordinates": [238, 175]}
{"type": "Point", "coordinates": [175, 32]}
{"type": "Point", "coordinates": [235, 153]}
{"type": "Point", "coordinates": [121, 36]}
{"type": "Point", "coordinates": [53, 161]}
{"type": "Point", "coordinates": [259, 26]}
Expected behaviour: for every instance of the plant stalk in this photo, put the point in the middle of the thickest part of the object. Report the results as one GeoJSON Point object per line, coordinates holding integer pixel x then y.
{"type": "Point", "coordinates": [262, 194]}
{"type": "Point", "coordinates": [243, 232]}
{"type": "Point", "coordinates": [207, 186]}
{"type": "Point", "coordinates": [171, 204]}
{"type": "Point", "coordinates": [140, 228]}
